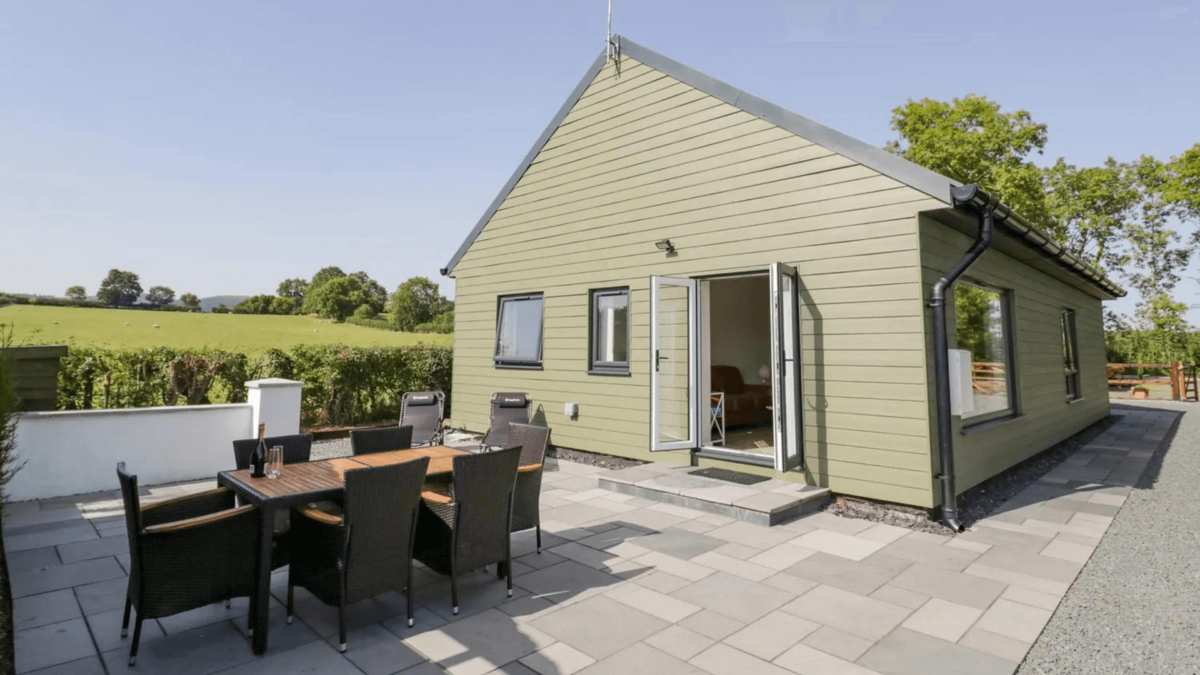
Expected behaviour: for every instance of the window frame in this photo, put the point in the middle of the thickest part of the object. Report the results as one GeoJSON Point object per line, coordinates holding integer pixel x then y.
{"type": "Point", "coordinates": [527, 364]}
{"type": "Point", "coordinates": [596, 367]}
{"type": "Point", "coordinates": [1008, 326]}
{"type": "Point", "coordinates": [1071, 369]}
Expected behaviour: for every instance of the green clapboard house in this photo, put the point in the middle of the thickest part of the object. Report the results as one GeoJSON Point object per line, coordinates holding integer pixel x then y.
{"type": "Point", "coordinates": [680, 271]}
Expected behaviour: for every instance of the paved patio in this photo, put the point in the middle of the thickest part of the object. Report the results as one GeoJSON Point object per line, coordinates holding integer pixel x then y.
{"type": "Point", "coordinates": [624, 585]}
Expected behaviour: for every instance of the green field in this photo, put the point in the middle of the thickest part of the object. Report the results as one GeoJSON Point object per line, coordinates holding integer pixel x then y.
{"type": "Point", "coordinates": [248, 333]}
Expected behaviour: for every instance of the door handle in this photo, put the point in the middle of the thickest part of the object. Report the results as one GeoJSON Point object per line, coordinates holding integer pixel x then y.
{"type": "Point", "coordinates": [658, 358]}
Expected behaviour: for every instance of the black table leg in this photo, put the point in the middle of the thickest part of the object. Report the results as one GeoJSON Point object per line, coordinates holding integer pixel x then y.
{"type": "Point", "coordinates": [260, 604]}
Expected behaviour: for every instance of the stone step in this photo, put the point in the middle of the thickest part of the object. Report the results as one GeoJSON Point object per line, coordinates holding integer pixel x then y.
{"type": "Point", "coordinates": [770, 502]}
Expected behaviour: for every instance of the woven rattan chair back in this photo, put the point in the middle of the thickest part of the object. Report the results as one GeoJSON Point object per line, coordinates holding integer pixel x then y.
{"type": "Point", "coordinates": [483, 491]}
{"type": "Point", "coordinates": [296, 449]}
{"type": "Point", "coordinates": [368, 441]}
{"type": "Point", "coordinates": [380, 511]}
{"type": "Point", "coordinates": [506, 409]}
{"type": "Point", "coordinates": [423, 411]}
{"type": "Point", "coordinates": [533, 441]}
{"type": "Point", "coordinates": [133, 520]}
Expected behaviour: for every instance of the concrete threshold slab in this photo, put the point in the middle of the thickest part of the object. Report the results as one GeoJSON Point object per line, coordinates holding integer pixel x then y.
{"type": "Point", "coordinates": [769, 502]}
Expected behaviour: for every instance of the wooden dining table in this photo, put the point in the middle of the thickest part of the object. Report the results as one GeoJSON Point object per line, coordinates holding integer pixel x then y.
{"type": "Point", "coordinates": [299, 484]}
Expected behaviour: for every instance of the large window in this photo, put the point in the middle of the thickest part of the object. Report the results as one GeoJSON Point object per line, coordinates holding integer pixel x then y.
{"type": "Point", "coordinates": [982, 322]}
{"type": "Point", "coordinates": [519, 331]}
{"type": "Point", "coordinates": [1070, 355]}
{"type": "Point", "coordinates": [609, 351]}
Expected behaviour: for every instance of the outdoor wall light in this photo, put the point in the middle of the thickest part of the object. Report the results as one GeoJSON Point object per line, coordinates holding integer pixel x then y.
{"type": "Point", "coordinates": [665, 245]}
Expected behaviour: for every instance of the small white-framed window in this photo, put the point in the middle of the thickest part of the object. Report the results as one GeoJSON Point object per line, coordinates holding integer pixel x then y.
{"type": "Point", "coordinates": [608, 351]}
{"type": "Point", "coordinates": [983, 326]}
{"type": "Point", "coordinates": [519, 331]}
{"type": "Point", "coordinates": [1071, 355]}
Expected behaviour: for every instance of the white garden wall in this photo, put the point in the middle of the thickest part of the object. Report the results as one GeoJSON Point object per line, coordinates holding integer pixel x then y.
{"type": "Point", "coordinates": [74, 452]}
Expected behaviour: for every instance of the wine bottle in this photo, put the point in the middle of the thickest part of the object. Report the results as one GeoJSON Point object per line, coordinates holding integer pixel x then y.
{"type": "Point", "coordinates": [258, 458]}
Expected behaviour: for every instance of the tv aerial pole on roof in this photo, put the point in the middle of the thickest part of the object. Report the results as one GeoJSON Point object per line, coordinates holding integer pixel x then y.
{"type": "Point", "coordinates": [612, 47]}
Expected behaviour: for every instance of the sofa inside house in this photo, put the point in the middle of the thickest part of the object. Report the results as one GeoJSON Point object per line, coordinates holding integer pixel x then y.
{"type": "Point", "coordinates": [744, 403]}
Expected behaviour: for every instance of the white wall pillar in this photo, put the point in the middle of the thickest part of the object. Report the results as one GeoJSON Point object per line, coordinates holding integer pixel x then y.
{"type": "Point", "coordinates": [276, 402]}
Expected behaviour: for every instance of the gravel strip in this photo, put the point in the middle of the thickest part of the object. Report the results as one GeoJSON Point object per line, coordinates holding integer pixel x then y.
{"type": "Point", "coordinates": [336, 447]}
{"type": "Point", "coordinates": [1135, 608]}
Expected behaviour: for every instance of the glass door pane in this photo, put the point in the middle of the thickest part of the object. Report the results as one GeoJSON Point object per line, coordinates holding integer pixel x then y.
{"type": "Point", "coordinates": [785, 367]}
{"type": "Point", "coordinates": [673, 374]}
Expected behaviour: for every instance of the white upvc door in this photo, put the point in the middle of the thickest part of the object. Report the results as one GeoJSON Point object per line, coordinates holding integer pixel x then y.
{"type": "Point", "coordinates": [785, 367]}
{"type": "Point", "coordinates": [674, 363]}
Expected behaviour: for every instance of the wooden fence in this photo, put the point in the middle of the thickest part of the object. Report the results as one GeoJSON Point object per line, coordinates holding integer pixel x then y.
{"type": "Point", "coordinates": [1181, 377]}
{"type": "Point", "coordinates": [36, 370]}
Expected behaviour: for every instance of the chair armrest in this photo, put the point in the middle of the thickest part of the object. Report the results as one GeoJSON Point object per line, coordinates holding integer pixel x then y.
{"type": "Point", "coordinates": [198, 521]}
{"type": "Point", "coordinates": [529, 468]}
{"type": "Point", "coordinates": [314, 513]}
{"type": "Point", "coordinates": [188, 506]}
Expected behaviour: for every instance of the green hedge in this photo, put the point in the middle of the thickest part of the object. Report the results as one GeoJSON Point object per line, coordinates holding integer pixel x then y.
{"type": "Point", "coordinates": [342, 385]}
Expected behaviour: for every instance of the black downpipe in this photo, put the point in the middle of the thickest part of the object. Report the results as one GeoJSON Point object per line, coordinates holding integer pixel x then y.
{"type": "Point", "coordinates": [941, 359]}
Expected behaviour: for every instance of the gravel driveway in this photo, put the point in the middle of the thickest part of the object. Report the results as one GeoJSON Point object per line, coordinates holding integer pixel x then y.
{"type": "Point", "coordinates": [1135, 608]}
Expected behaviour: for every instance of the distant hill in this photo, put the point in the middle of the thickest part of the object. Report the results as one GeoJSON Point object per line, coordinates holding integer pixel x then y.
{"type": "Point", "coordinates": [206, 304]}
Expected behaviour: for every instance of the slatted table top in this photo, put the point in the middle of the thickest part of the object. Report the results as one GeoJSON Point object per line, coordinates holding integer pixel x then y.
{"type": "Point", "coordinates": [329, 475]}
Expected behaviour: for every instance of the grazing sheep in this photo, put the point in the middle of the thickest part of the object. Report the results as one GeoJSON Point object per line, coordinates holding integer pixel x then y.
{"type": "Point", "coordinates": [156, 325]}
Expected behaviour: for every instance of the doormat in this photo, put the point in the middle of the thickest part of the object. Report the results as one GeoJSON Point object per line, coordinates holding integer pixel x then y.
{"type": "Point", "coordinates": [730, 476]}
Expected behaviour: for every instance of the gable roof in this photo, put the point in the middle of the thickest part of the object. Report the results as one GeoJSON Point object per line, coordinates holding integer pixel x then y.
{"type": "Point", "coordinates": [913, 175]}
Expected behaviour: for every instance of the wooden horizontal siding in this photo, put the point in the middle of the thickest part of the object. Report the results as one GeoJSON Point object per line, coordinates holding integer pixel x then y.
{"type": "Point", "coordinates": [1037, 300]}
{"type": "Point", "coordinates": [645, 157]}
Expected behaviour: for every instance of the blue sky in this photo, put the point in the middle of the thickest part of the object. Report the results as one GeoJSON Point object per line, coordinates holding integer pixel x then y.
{"type": "Point", "coordinates": [221, 146]}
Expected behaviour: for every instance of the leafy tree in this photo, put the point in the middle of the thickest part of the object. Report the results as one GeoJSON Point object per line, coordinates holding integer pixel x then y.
{"type": "Point", "coordinates": [119, 288]}
{"type": "Point", "coordinates": [972, 141]}
{"type": "Point", "coordinates": [1182, 188]}
{"type": "Point", "coordinates": [189, 301]}
{"type": "Point", "coordinates": [442, 323]}
{"type": "Point", "coordinates": [322, 277]}
{"type": "Point", "coordinates": [283, 305]}
{"type": "Point", "coordinates": [336, 299]}
{"type": "Point", "coordinates": [415, 302]}
{"type": "Point", "coordinates": [292, 288]}
{"type": "Point", "coordinates": [160, 295]}
{"type": "Point", "coordinates": [255, 304]}
{"type": "Point", "coordinates": [77, 293]}
{"type": "Point", "coordinates": [377, 295]}
{"type": "Point", "coordinates": [220, 309]}
{"type": "Point", "coordinates": [1091, 208]}
{"type": "Point", "coordinates": [365, 312]}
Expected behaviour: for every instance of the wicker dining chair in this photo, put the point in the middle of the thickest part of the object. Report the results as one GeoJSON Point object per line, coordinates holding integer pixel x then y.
{"type": "Point", "coordinates": [506, 409]}
{"type": "Point", "coordinates": [368, 441]}
{"type": "Point", "coordinates": [424, 411]}
{"type": "Point", "coordinates": [185, 553]}
{"type": "Point", "coordinates": [469, 528]}
{"type": "Point", "coordinates": [533, 442]}
{"type": "Point", "coordinates": [363, 549]}
{"type": "Point", "coordinates": [297, 448]}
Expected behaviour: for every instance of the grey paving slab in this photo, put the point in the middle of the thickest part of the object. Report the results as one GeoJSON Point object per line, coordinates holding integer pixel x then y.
{"type": "Point", "coordinates": [50, 536]}
{"type": "Point", "coordinates": [32, 611]}
{"type": "Point", "coordinates": [106, 630]}
{"type": "Point", "coordinates": [955, 559]}
{"type": "Point", "coordinates": [86, 666]}
{"type": "Point", "coordinates": [102, 596]}
{"type": "Point", "coordinates": [322, 618]}
{"type": "Point", "coordinates": [748, 534]}
{"type": "Point", "coordinates": [203, 616]}
{"type": "Point", "coordinates": [680, 543]}
{"type": "Point", "coordinates": [479, 644]}
{"type": "Point", "coordinates": [556, 659]}
{"type": "Point", "coordinates": [32, 559]}
{"type": "Point", "coordinates": [316, 658]}
{"type": "Point", "coordinates": [859, 577]}
{"type": "Point", "coordinates": [734, 596]}
{"type": "Point", "coordinates": [838, 643]}
{"type": "Point", "coordinates": [94, 548]}
{"type": "Point", "coordinates": [772, 635]}
{"type": "Point", "coordinates": [599, 626]}
{"type": "Point", "coordinates": [52, 644]}
{"type": "Point", "coordinates": [905, 652]}
{"type": "Point", "coordinates": [35, 582]}
{"type": "Point", "coordinates": [963, 589]}
{"type": "Point", "coordinates": [679, 642]}
{"type": "Point", "coordinates": [375, 650]}
{"type": "Point", "coordinates": [712, 625]}
{"type": "Point", "coordinates": [721, 659]}
{"type": "Point", "coordinates": [477, 592]}
{"type": "Point", "coordinates": [641, 658]}
{"type": "Point", "coordinates": [856, 614]}
{"type": "Point", "coordinates": [566, 581]}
